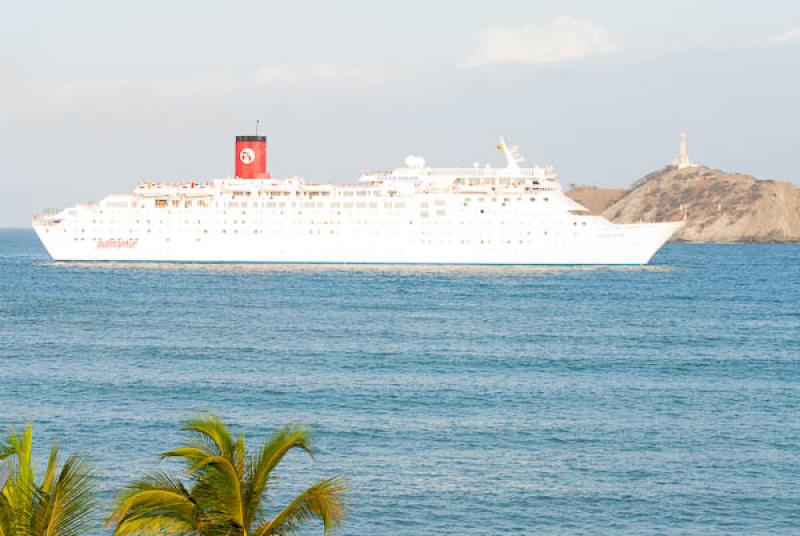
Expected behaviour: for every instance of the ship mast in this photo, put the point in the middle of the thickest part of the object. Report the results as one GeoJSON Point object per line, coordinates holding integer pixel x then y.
{"type": "Point", "coordinates": [513, 158]}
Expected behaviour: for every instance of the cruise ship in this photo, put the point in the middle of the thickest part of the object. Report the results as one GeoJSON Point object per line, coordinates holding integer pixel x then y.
{"type": "Point", "coordinates": [415, 214]}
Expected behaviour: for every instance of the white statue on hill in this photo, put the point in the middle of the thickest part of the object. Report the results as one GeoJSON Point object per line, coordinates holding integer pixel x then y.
{"type": "Point", "coordinates": [683, 157]}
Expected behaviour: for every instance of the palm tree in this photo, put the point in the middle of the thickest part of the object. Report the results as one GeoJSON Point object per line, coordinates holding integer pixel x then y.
{"type": "Point", "coordinates": [227, 489]}
{"type": "Point", "coordinates": [59, 505]}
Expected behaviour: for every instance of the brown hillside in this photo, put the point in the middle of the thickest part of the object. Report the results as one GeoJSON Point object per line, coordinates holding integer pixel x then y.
{"type": "Point", "coordinates": [720, 206]}
{"type": "Point", "coordinates": [595, 199]}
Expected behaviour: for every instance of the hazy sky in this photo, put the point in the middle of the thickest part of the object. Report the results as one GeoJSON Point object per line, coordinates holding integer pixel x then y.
{"type": "Point", "coordinates": [95, 96]}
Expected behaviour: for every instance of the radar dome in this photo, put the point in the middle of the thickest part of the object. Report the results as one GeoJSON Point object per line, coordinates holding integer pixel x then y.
{"type": "Point", "coordinates": [415, 162]}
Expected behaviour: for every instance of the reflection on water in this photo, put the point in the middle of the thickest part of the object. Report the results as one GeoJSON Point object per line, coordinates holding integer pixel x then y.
{"type": "Point", "coordinates": [381, 268]}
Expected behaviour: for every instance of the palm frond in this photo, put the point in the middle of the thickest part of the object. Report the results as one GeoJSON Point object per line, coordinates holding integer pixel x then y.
{"type": "Point", "coordinates": [194, 457]}
{"type": "Point", "coordinates": [155, 525]}
{"type": "Point", "coordinates": [228, 488]}
{"type": "Point", "coordinates": [218, 489]}
{"type": "Point", "coordinates": [66, 509]}
{"type": "Point", "coordinates": [260, 467]}
{"type": "Point", "coordinates": [324, 501]}
{"type": "Point", "coordinates": [156, 504]}
{"type": "Point", "coordinates": [240, 456]}
{"type": "Point", "coordinates": [210, 427]}
{"type": "Point", "coordinates": [6, 517]}
{"type": "Point", "coordinates": [20, 488]}
{"type": "Point", "coordinates": [50, 471]}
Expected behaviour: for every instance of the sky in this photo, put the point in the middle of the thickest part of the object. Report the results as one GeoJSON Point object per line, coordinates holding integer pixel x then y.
{"type": "Point", "coordinates": [96, 96]}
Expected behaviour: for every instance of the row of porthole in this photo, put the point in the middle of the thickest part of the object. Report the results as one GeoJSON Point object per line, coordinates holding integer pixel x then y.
{"type": "Point", "coordinates": [299, 213]}
{"type": "Point", "coordinates": [256, 231]}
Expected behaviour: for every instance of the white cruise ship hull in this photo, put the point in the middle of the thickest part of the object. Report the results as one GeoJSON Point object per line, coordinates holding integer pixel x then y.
{"type": "Point", "coordinates": [609, 244]}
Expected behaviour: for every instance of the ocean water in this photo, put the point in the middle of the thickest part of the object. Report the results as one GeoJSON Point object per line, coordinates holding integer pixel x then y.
{"type": "Point", "coordinates": [655, 400]}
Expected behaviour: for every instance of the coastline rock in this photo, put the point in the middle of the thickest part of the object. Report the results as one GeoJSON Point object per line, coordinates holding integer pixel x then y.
{"type": "Point", "coordinates": [719, 206]}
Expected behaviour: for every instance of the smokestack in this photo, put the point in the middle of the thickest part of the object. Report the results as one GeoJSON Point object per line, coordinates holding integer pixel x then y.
{"type": "Point", "coordinates": [251, 157]}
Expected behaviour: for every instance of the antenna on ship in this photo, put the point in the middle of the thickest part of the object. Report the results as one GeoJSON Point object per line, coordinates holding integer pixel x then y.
{"type": "Point", "coordinates": [257, 122]}
{"type": "Point", "coordinates": [512, 156]}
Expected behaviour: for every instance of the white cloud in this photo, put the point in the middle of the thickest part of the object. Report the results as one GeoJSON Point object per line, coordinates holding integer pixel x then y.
{"type": "Point", "coordinates": [787, 37]}
{"type": "Point", "coordinates": [567, 38]}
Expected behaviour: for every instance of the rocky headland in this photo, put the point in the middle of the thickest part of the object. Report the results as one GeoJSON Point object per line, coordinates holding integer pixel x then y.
{"type": "Point", "coordinates": [719, 206]}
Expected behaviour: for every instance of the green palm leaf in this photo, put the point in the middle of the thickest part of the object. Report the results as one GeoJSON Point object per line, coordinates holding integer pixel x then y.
{"type": "Point", "coordinates": [156, 504]}
{"type": "Point", "coordinates": [228, 489]}
{"type": "Point", "coordinates": [261, 466]}
{"type": "Point", "coordinates": [64, 509]}
{"type": "Point", "coordinates": [322, 501]}
{"type": "Point", "coordinates": [60, 505]}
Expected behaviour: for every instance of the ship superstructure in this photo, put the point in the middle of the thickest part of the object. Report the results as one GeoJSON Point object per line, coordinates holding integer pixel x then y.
{"type": "Point", "coordinates": [413, 214]}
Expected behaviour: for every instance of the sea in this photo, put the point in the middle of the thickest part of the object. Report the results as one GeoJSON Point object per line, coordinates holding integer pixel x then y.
{"type": "Point", "coordinates": [662, 399]}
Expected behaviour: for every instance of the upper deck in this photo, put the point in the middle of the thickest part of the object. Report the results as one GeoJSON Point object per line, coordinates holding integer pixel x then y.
{"type": "Point", "coordinates": [414, 179]}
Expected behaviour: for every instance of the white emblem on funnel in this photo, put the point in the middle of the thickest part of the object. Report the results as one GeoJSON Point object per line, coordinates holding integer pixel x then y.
{"type": "Point", "coordinates": [247, 155]}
